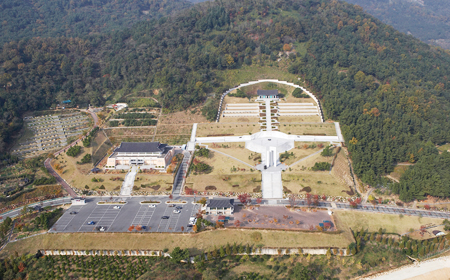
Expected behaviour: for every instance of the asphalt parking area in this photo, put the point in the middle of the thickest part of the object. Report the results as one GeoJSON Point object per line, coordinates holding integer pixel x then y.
{"type": "Point", "coordinates": [130, 214]}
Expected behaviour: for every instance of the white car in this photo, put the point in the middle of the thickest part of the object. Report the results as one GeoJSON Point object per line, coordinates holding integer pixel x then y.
{"type": "Point", "coordinates": [152, 206]}
{"type": "Point", "coordinates": [116, 207]}
{"type": "Point", "coordinates": [176, 211]}
{"type": "Point", "coordinates": [192, 220]}
{"type": "Point", "coordinates": [102, 229]}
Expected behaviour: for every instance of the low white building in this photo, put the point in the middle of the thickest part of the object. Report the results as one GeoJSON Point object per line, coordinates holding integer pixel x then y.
{"type": "Point", "coordinates": [146, 155]}
{"type": "Point", "coordinates": [271, 94]}
{"type": "Point", "coordinates": [219, 207]}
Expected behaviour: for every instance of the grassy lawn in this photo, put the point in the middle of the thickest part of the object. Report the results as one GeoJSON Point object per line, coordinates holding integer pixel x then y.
{"type": "Point", "coordinates": [398, 171]}
{"type": "Point", "coordinates": [238, 151]}
{"type": "Point", "coordinates": [249, 120]}
{"type": "Point", "coordinates": [189, 116]}
{"type": "Point", "coordinates": [300, 152]}
{"type": "Point", "coordinates": [309, 129]}
{"type": "Point", "coordinates": [445, 147]}
{"type": "Point", "coordinates": [320, 182]}
{"type": "Point", "coordinates": [222, 177]}
{"type": "Point", "coordinates": [157, 241]}
{"type": "Point", "coordinates": [373, 221]}
{"type": "Point", "coordinates": [225, 183]}
{"type": "Point", "coordinates": [234, 128]}
{"type": "Point", "coordinates": [172, 139]}
{"type": "Point", "coordinates": [130, 132]}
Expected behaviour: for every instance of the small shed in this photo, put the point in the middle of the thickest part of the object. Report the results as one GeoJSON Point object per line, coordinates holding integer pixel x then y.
{"type": "Point", "coordinates": [438, 233]}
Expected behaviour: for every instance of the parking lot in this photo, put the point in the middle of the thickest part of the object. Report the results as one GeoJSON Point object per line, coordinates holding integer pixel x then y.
{"type": "Point", "coordinates": [130, 214]}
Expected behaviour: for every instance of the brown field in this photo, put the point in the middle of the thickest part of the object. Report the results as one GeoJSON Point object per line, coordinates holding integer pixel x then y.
{"type": "Point", "coordinates": [250, 120]}
{"type": "Point", "coordinates": [296, 119]}
{"type": "Point", "coordinates": [309, 129]}
{"type": "Point", "coordinates": [374, 221]}
{"type": "Point", "coordinates": [157, 241]}
{"type": "Point", "coordinates": [222, 164]}
{"type": "Point", "coordinates": [174, 129]}
{"type": "Point", "coordinates": [203, 130]}
{"type": "Point", "coordinates": [341, 169]}
{"type": "Point", "coordinates": [229, 99]}
{"type": "Point", "coordinates": [183, 117]}
{"type": "Point", "coordinates": [138, 131]}
{"type": "Point", "coordinates": [172, 139]}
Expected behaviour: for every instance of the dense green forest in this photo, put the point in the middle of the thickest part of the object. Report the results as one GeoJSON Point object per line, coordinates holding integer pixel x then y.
{"type": "Point", "coordinates": [389, 91]}
{"type": "Point", "coordinates": [428, 20]}
{"type": "Point", "coordinates": [53, 18]}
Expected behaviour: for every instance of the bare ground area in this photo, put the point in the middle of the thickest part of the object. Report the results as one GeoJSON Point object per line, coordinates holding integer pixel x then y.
{"type": "Point", "coordinates": [183, 117]}
{"type": "Point", "coordinates": [232, 128]}
{"type": "Point", "coordinates": [278, 217]}
{"type": "Point", "coordinates": [309, 129]}
{"type": "Point", "coordinates": [296, 119]}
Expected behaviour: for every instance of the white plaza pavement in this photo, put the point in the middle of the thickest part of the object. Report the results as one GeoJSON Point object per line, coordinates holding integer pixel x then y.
{"type": "Point", "coordinates": [128, 182]}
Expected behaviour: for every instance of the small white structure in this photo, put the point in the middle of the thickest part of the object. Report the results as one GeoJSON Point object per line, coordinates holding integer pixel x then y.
{"type": "Point", "coordinates": [78, 201]}
{"type": "Point", "coordinates": [146, 155]}
{"type": "Point", "coordinates": [267, 94]}
{"type": "Point", "coordinates": [118, 106]}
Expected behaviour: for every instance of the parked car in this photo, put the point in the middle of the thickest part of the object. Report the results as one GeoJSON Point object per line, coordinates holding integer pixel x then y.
{"type": "Point", "coordinates": [72, 213]}
{"type": "Point", "coordinates": [116, 207]}
{"type": "Point", "coordinates": [171, 205]}
{"type": "Point", "coordinates": [102, 229]}
{"type": "Point", "coordinates": [176, 211]}
{"type": "Point", "coordinates": [152, 205]}
{"type": "Point", "coordinates": [179, 207]}
{"type": "Point", "coordinates": [192, 220]}
{"type": "Point", "coordinates": [165, 217]}
{"type": "Point", "coordinates": [91, 223]}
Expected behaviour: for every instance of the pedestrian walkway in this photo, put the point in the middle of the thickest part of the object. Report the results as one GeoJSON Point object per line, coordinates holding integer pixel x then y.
{"type": "Point", "coordinates": [272, 186]}
{"type": "Point", "coordinates": [128, 182]}
{"type": "Point", "coordinates": [177, 186]}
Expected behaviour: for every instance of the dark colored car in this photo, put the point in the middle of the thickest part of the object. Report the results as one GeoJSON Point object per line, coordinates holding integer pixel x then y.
{"type": "Point", "coordinates": [165, 217]}
{"type": "Point", "coordinates": [179, 207]}
{"type": "Point", "coordinates": [72, 213]}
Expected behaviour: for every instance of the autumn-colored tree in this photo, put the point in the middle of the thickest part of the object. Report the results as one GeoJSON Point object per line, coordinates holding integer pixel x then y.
{"type": "Point", "coordinates": [259, 200]}
{"type": "Point", "coordinates": [292, 200]}
{"type": "Point", "coordinates": [182, 228]}
{"type": "Point", "coordinates": [138, 227]}
{"type": "Point", "coordinates": [237, 223]}
{"type": "Point", "coordinates": [194, 228]}
{"type": "Point", "coordinates": [170, 196]}
{"type": "Point", "coordinates": [244, 198]}
{"type": "Point", "coordinates": [287, 47]}
{"type": "Point", "coordinates": [131, 228]}
{"type": "Point", "coordinates": [21, 267]}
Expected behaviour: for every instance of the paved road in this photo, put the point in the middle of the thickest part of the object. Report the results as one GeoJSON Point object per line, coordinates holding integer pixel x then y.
{"type": "Point", "coordinates": [130, 214]}
{"type": "Point", "coordinates": [423, 269]}
{"type": "Point", "coordinates": [60, 180]}
{"type": "Point", "coordinates": [49, 167]}
{"type": "Point", "coordinates": [50, 202]}
{"type": "Point", "coordinates": [376, 209]}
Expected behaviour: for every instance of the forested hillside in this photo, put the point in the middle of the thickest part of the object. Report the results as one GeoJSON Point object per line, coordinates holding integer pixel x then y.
{"type": "Point", "coordinates": [53, 18]}
{"type": "Point", "coordinates": [389, 91]}
{"type": "Point", "coordinates": [428, 20]}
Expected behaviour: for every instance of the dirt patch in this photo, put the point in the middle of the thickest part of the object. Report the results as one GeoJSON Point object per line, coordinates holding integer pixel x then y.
{"type": "Point", "coordinates": [306, 189]}
{"type": "Point", "coordinates": [210, 188]}
{"type": "Point", "coordinates": [189, 116]}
